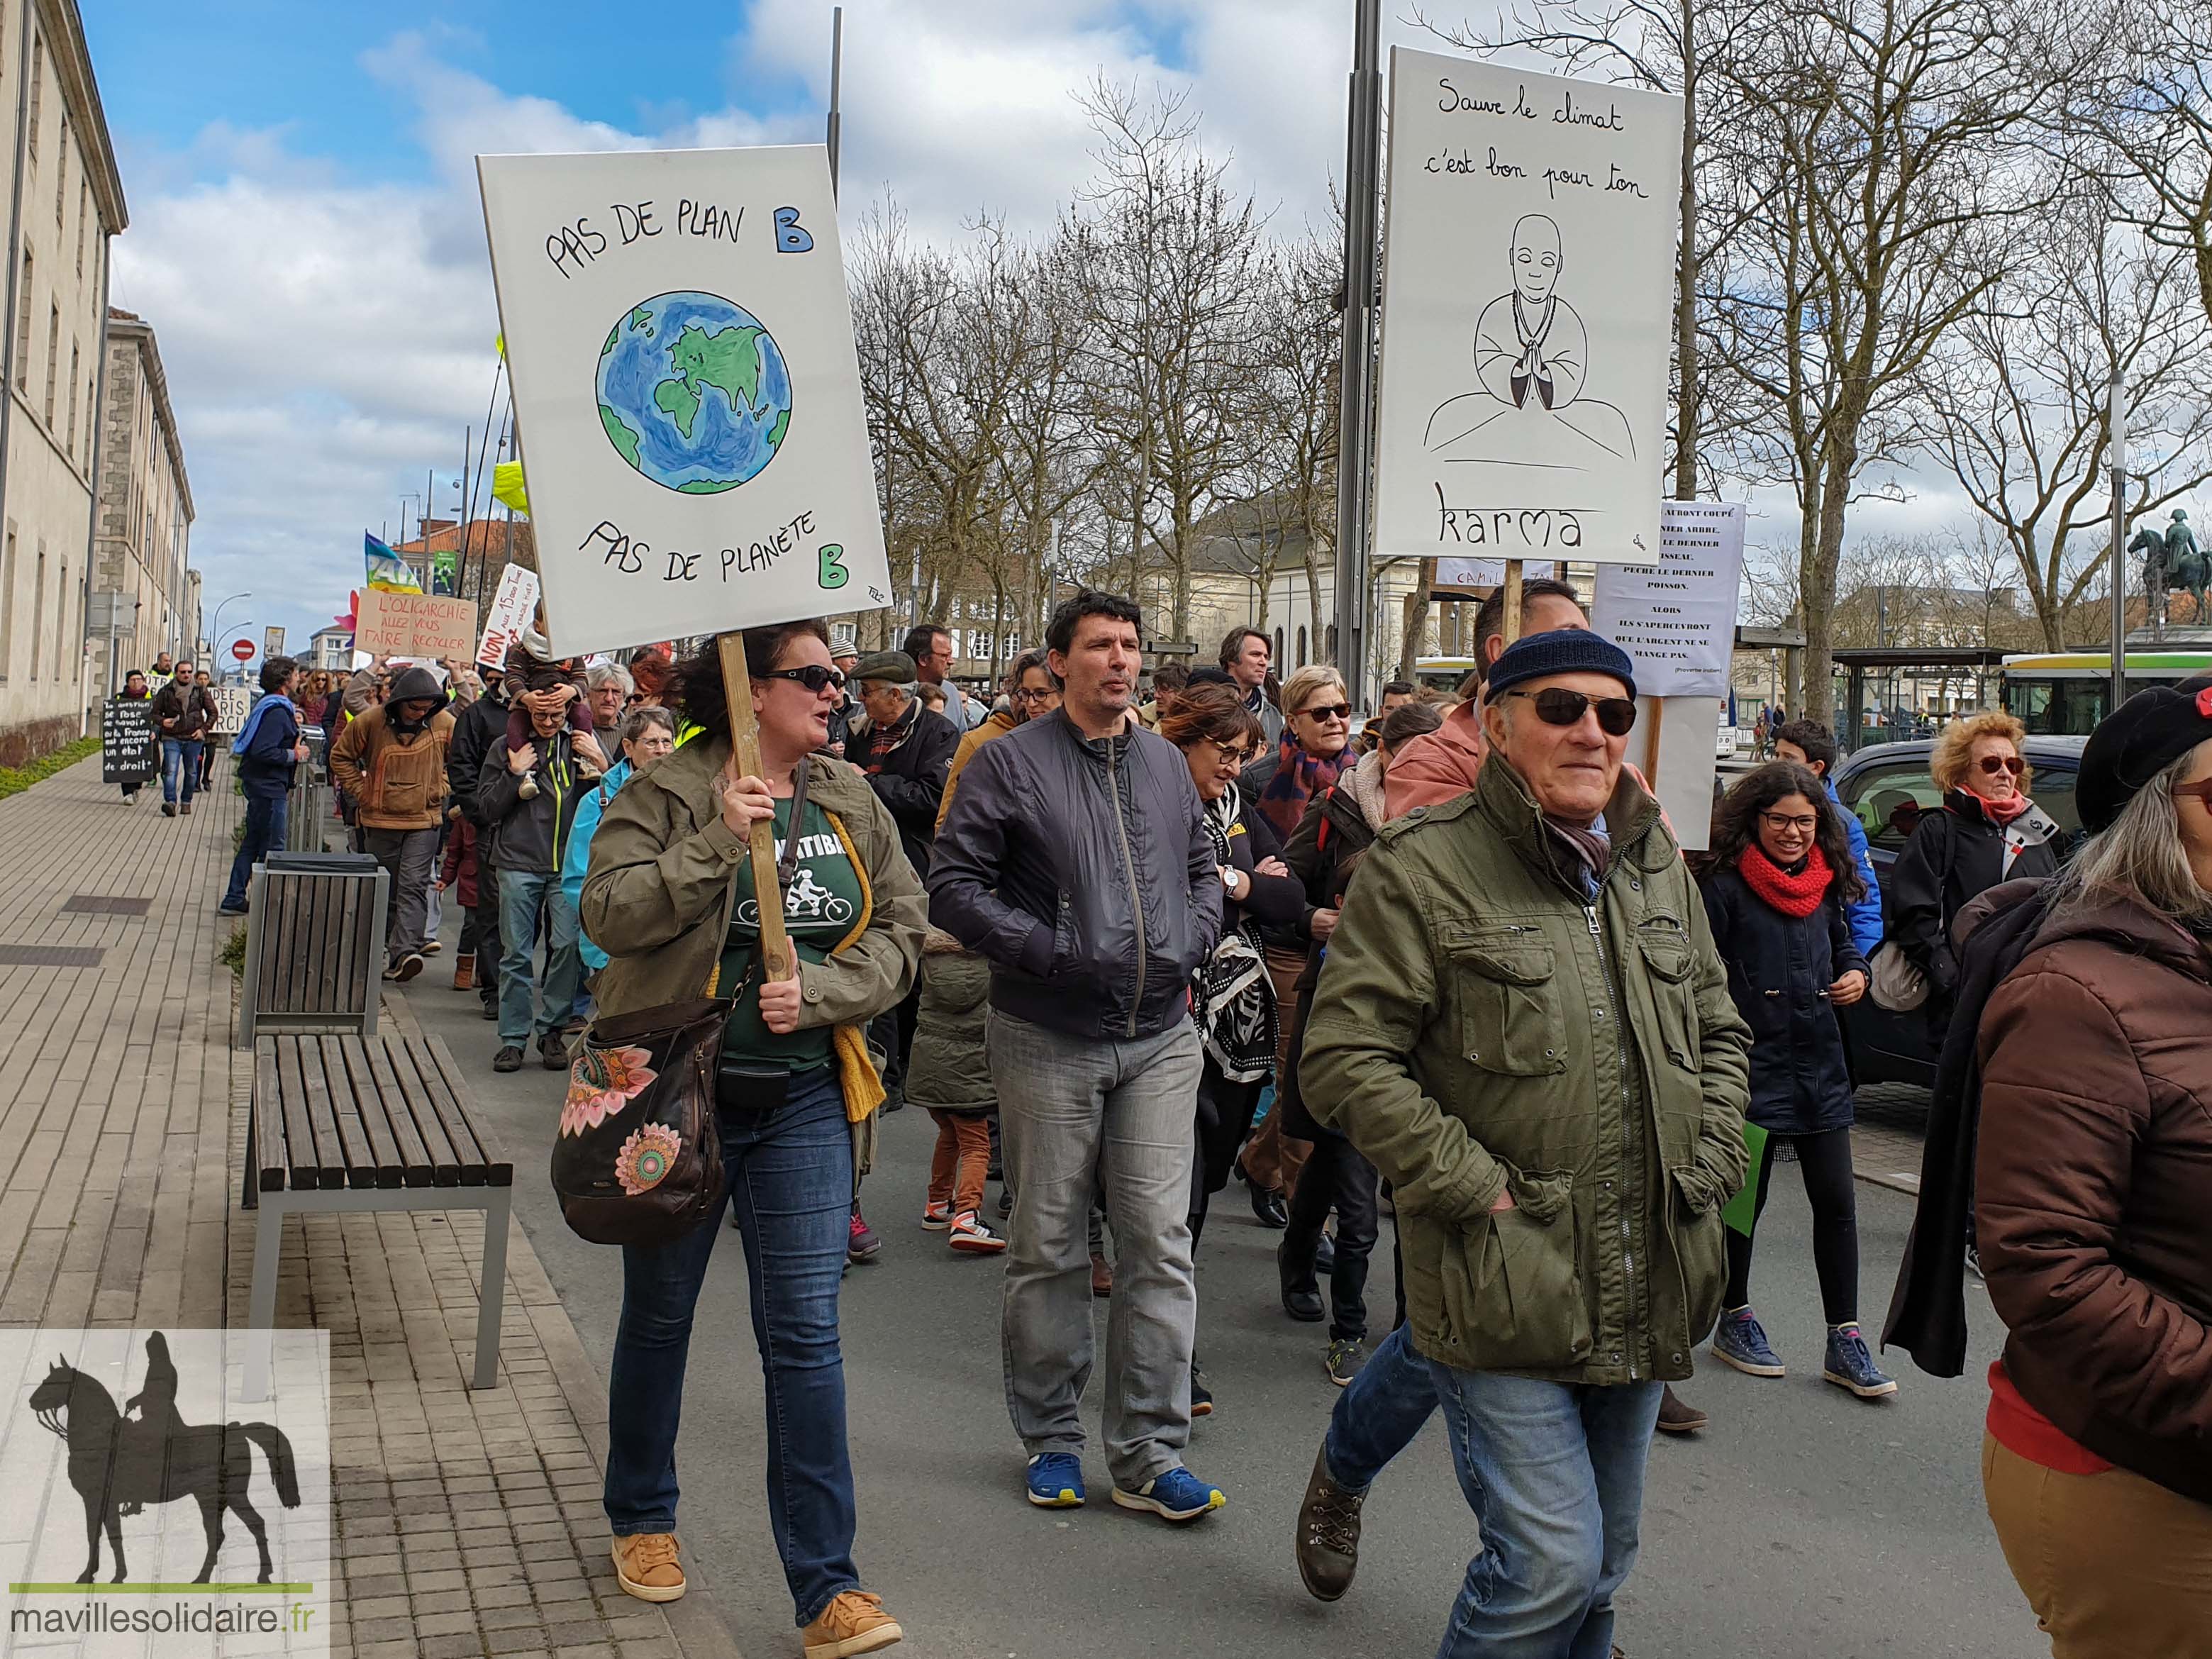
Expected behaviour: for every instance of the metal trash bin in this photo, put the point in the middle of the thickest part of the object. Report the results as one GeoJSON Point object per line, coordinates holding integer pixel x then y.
{"type": "Point", "coordinates": [310, 797]}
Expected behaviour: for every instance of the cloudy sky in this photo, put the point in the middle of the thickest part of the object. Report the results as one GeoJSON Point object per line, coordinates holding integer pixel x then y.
{"type": "Point", "coordinates": [307, 239]}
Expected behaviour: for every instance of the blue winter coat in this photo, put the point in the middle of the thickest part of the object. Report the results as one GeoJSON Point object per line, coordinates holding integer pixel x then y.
{"type": "Point", "coordinates": [578, 857]}
{"type": "Point", "coordinates": [1866, 912]}
{"type": "Point", "coordinates": [1779, 968]}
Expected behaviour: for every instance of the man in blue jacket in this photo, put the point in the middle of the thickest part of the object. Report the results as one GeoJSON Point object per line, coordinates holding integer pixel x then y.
{"type": "Point", "coordinates": [1810, 743]}
{"type": "Point", "coordinates": [1076, 857]}
{"type": "Point", "coordinates": [266, 750]}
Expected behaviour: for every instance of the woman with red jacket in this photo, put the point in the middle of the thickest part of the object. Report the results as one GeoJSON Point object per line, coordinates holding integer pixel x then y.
{"type": "Point", "coordinates": [2094, 1179]}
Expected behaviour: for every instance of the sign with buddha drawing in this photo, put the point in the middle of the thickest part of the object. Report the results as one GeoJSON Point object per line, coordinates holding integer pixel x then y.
{"type": "Point", "coordinates": [1528, 294]}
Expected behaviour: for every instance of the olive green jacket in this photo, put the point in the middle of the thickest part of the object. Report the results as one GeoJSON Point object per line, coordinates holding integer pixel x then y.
{"type": "Point", "coordinates": [662, 875]}
{"type": "Point", "coordinates": [1465, 1036]}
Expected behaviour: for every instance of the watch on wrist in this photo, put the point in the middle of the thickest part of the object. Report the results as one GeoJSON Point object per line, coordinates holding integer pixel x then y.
{"type": "Point", "coordinates": [1228, 882]}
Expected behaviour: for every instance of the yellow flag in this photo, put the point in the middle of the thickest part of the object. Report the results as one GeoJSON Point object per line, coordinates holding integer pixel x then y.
{"type": "Point", "coordinates": [506, 486]}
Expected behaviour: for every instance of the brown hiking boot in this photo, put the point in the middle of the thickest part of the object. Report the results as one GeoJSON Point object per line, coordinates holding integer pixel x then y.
{"type": "Point", "coordinates": [1328, 1533]}
{"type": "Point", "coordinates": [464, 973]}
{"type": "Point", "coordinates": [645, 1564]}
{"type": "Point", "coordinates": [853, 1622]}
{"type": "Point", "coordinates": [1676, 1418]}
{"type": "Point", "coordinates": [1101, 1276]}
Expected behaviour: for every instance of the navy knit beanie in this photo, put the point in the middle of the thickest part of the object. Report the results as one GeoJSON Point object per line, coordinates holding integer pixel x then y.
{"type": "Point", "coordinates": [1562, 651]}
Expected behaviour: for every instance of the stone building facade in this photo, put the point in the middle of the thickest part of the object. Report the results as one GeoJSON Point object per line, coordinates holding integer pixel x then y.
{"type": "Point", "coordinates": [64, 203]}
{"type": "Point", "coordinates": [144, 541]}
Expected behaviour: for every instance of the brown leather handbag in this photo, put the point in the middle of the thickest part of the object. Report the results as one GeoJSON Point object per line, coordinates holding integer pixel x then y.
{"type": "Point", "coordinates": [638, 1159]}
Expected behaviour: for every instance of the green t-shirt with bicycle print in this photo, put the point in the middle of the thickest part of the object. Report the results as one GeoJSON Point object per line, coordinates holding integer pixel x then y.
{"type": "Point", "coordinates": [820, 905]}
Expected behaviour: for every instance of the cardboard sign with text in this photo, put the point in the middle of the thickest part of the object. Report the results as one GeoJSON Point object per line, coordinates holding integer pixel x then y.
{"type": "Point", "coordinates": [1677, 617]}
{"type": "Point", "coordinates": [512, 608]}
{"type": "Point", "coordinates": [393, 624]}
{"type": "Point", "coordinates": [127, 753]}
{"type": "Point", "coordinates": [688, 391]}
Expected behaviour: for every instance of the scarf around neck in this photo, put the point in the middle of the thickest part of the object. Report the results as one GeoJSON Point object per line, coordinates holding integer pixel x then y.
{"type": "Point", "coordinates": [1232, 1001]}
{"type": "Point", "coordinates": [1298, 776]}
{"type": "Point", "coordinates": [2002, 812]}
{"type": "Point", "coordinates": [1796, 893]}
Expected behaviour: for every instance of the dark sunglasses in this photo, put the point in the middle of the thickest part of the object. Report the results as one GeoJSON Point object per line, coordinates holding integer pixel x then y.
{"type": "Point", "coordinates": [2201, 790]}
{"type": "Point", "coordinates": [1994, 765]}
{"type": "Point", "coordinates": [814, 677]}
{"type": "Point", "coordinates": [1557, 705]}
{"type": "Point", "coordinates": [1328, 711]}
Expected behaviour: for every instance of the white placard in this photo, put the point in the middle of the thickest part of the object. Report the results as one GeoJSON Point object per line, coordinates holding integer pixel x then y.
{"type": "Point", "coordinates": [1470, 572]}
{"type": "Point", "coordinates": [1527, 307]}
{"type": "Point", "coordinates": [1675, 744]}
{"type": "Point", "coordinates": [512, 607]}
{"type": "Point", "coordinates": [1677, 618]}
{"type": "Point", "coordinates": [686, 390]}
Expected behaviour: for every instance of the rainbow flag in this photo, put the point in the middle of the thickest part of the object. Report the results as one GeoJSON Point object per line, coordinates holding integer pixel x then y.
{"type": "Point", "coordinates": [387, 572]}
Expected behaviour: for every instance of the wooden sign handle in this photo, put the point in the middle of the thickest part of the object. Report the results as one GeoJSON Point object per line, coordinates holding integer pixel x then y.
{"type": "Point", "coordinates": [745, 746]}
{"type": "Point", "coordinates": [1512, 617]}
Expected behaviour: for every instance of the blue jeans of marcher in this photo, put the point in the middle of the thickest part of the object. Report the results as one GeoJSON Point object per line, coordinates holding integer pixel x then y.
{"type": "Point", "coordinates": [520, 893]}
{"type": "Point", "coordinates": [790, 1175]}
{"type": "Point", "coordinates": [1554, 1473]}
{"type": "Point", "coordinates": [266, 819]}
{"type": "Point", "coordinates": [180, 757]}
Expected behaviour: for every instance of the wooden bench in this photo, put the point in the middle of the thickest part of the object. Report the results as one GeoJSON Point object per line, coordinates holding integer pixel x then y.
{"type": "Point", "coordinates": [379, 1122]}
{"type": "Point", "coordinates": [314, 945]}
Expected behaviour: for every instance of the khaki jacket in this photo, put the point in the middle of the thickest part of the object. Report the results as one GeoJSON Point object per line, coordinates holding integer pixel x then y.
{"type": "Point", "coordinates": [396, 783]}
{"type": "Point", "coordinates": [1465, 1035]}
{"type": "Point", "coordinates": [662, 879]}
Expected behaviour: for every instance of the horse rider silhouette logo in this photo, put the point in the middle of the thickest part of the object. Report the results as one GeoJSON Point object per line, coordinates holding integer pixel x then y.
{"type": "Point", "coordinates": [120, 1464]}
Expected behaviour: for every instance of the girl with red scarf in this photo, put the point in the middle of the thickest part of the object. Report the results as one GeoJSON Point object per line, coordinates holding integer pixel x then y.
{"type": "Point", "coordinates": [1777, 900]}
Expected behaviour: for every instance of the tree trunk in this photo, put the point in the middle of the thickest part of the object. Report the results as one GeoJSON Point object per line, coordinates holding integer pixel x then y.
{"type": "Point", "coordinates": [1417, 616]}
{"type": "Point", "coordinates": [1688, 413]}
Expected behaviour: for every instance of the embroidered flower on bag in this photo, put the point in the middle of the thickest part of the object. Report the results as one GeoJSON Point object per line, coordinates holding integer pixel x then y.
{"type": "Point", "coordinates": [601, 1082]}
{"type": "Point", "coordinates": [646, 1157]}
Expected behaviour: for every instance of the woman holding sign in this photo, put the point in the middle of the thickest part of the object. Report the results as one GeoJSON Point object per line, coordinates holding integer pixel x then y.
{"type": "Point", "coordinates": [670, 898]}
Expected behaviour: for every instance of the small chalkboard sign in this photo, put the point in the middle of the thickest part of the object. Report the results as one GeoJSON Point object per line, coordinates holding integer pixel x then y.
{"type": "Point", "coordinates": [127, 753]}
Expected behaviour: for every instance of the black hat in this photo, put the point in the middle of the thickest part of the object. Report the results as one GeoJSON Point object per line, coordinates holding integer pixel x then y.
{"type": "Point", "coordinates": [1562, 651]}
{"type": "Point", "coordinates": [2148, 733]}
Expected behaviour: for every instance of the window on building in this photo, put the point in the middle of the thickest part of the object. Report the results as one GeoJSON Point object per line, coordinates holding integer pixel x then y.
{"type": "Point", "coordinates": [77, 365]}
{"type": "Point", "coordinates": [61, 174]}
{"type": "Point", "coordinates": [63, 646]}
{"type": "Point", "coordinates": [23, 329]}
{"type": "Point", "coordinates": [53, 361]}
{"type": "Point", "coordinates": [7, 605]}
{"type": "Point", "coordinates": [1302, 645]}
{"type": "Point", "coordinates": [1277, 655]}
{"type": "Point", "coordinates": [83, 212]}
{"type": "Point", "coordinates": [38, 91]}
{"type": "Point", "coordinates": [38, 614]}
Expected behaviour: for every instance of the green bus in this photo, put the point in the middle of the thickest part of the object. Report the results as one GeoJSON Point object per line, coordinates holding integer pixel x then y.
{"type": "Point", "coordinates": [2064, 694]}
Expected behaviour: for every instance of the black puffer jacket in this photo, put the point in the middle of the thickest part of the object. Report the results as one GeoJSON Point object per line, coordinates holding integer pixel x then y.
{"type": "Point", "coordinates": [1083, 869]}
{"type": "Point", "coordinates": [909, 778]}
{"type": "Point", "coordinates": [477, 727]}
{"type": "Point", "coordinates": [1956, 853]}
{"type": "Point", "coordinates": [1779, 969]}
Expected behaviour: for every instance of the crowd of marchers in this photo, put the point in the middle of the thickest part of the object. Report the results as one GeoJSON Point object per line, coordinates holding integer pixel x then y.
{"type": "Point", "coordinates": [1125, 938]}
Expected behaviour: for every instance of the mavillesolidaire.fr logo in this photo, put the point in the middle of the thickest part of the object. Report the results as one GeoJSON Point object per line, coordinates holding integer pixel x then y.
{"type": "Point", "coordinates": [143, 1510]}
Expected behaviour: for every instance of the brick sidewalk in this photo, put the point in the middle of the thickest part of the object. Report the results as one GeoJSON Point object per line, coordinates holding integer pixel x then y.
{"type": "Point", "coordinates": [468, 1523]}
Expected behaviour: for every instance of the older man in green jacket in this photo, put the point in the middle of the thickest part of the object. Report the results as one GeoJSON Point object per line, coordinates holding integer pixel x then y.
{"type": "Point", "coordinates": [1522, 1023]}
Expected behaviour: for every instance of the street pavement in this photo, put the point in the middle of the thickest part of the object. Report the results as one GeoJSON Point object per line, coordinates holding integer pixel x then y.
{"type": "Point", "coordinates": [1803, 1521]}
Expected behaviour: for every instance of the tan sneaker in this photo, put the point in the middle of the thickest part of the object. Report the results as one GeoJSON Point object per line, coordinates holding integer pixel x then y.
{"type": "Point", "coordinates": [646, 1564]}
{"type": "Point", "coordinates": [854, 1622]}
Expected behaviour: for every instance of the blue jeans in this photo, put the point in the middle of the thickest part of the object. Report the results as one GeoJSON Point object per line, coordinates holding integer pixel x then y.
{"type": "Point", "coordinates": [265, 823]}
{"type": "Point", "coordinates": [180, 757]}
{"type": "Point", "coordinates": [1554, 1473]}
{"type": "Point", "coordinates": [790, 1175]}
{"type": "Point", "coordinates": [520, 893]}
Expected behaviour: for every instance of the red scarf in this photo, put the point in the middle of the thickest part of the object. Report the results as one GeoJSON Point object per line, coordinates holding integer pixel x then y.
{"type": "Point", "coordinates": [2002, 812]}
{"type": "Point", "coordinates": [1797, 895]}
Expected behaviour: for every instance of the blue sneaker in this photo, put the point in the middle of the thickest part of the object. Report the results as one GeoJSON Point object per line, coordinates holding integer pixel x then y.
{"type": "Point", "coordinates": [1056, 1480]}
{"type": "Point", "coordinates": [1740, 1341]}
{"type": "Point", "coordinates": [1850, 1367]}
{"type": "Point", "coordinates": [1178, 1495]}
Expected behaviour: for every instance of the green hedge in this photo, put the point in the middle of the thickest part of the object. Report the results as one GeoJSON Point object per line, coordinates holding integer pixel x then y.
{"type": "Point", "coordinates": [14, 779]}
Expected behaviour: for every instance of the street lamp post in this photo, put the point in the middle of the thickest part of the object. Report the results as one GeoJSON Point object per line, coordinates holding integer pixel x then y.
{"type": "Point", "coordinates": [219, 610]}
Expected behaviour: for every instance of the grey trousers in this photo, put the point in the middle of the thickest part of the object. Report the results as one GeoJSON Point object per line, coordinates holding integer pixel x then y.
{"type": "Point", "coordinates": [408, 857]}
{"type": "Point", "coordinates": [1077, 1114]}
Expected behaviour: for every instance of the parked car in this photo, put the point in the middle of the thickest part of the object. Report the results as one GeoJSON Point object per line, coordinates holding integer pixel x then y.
{"type": "Point", "coordinates": [1887, 787]}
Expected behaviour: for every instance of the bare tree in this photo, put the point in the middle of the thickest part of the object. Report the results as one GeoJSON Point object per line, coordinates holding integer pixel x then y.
{"type": "Point", "coordinates": [2018, 409]}
{"type": "Point", "coordinates": [2151, 124]}
{"type": "Point", "coordinates": [1876, 149]}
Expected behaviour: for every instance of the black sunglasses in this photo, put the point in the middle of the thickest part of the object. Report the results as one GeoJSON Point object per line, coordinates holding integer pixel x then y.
{"type": "Point", "coordinates": [1557, 705]}
{"type": "Point", "coordinates": [814, 677]}
{"type": "Point", "coordinates": [1328, 711]}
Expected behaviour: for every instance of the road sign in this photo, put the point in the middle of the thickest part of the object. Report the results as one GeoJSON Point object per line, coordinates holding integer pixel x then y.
{"type": "Point", "coordinates": [242, 649]}
{"type": "Point", "coordinates": [272, 641]}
